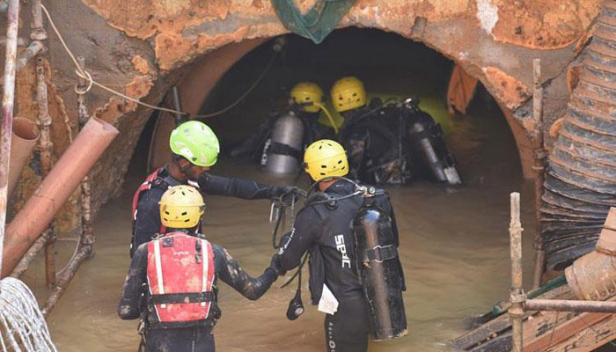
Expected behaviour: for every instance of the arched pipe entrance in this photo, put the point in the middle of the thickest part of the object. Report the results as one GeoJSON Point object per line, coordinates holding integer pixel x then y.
{"type": "Point", "coordinates": [199, 81]}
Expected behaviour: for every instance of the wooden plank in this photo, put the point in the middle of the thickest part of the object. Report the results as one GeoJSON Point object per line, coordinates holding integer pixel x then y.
{"type": "Point", "coordinates": [484, 332]}
{"type": "Point", "coordinates": [540, 333]}
{"type": "Point", "coordinates": [607, 242]}
{"type": "Point", "coordinates": [589, 339]}
{"type": "Point", "coordinates": [552, 336]}
{"type": "Point", "coordinates": [610, 222]}
{"type": "Point", "coordinates": [496, 326]}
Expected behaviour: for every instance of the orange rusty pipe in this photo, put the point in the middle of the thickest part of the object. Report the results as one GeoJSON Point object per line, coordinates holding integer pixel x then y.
{"type": "Point", "coordinates": [23, 140]}
{"type": "Point", "coordinates": [55, 189]}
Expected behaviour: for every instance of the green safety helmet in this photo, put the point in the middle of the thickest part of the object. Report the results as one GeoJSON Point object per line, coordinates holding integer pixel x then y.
{"type": "Point", "coordinates": [196, 142]}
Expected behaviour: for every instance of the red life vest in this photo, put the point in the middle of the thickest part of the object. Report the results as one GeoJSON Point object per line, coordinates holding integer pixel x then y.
{"type": "Point", "coordinates": [180, 277]}
{"type": "Point", "coordinates": [153, 180]}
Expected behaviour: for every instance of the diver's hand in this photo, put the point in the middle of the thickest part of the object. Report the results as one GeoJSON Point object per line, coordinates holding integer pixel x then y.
{"type": "Point", "coordinates": [276, 265]}
{"type": "Point", "coordinates": [285, 193]}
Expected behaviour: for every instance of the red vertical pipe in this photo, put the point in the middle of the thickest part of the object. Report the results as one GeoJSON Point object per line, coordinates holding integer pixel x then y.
{"type": "Point", "coordinates": [7, 111]}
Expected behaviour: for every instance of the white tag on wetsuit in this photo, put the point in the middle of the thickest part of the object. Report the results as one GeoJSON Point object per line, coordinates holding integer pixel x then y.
{"type": "Point", "coordinates": [328, 303]}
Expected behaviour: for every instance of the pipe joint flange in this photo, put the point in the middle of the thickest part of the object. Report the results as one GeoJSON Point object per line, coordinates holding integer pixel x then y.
{"type": "Point", "coordinates": [39, 34]}
{"type": "Point", "coordinates": [516, 298]}
{"type": "Point", "coordinates": [44, 121]}
{"type": "Point", "coordinates": [516, 312]}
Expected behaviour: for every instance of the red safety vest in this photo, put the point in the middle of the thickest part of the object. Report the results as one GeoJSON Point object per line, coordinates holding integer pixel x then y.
{"type": "Point", "coordinates": [153, 180]}
{"type": "Point", "coordinates": [180, 277]}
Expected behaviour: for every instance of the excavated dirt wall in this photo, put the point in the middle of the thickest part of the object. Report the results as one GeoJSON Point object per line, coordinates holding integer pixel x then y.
{"type": "Point", "coordinates": [143, 47]}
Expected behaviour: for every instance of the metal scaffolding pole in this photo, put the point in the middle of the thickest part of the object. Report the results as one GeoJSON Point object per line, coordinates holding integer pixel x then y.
{"type": "Point", "coordinates": [8, 101]}
{"type": "Point", "coordinates": [517, 297]}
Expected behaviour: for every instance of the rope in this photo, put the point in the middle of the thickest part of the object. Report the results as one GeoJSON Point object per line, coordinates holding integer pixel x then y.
{"type": "Point", "coordinates": [86, 75]}
{"type": "Point", "coordinates": [23, 323]}
{"type": "Point", "coordinates": [243, 96]}
{"type": "Point", "coordinates": [553, 330]}
{"type": "Point", "coordinates": [596, 332]}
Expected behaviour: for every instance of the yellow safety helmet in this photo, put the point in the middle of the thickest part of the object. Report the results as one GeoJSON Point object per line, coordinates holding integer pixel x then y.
{"type": "Point", "coordinates": [307, 92]}
{"type": "Point", "coordinates": [181, 207]}
{"type": "Point", "coordinates": [325, 158]}
{"type": "Point", "coordinates": [348, 93]}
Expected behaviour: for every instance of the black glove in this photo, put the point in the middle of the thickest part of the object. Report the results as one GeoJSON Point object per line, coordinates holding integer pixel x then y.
{"type": "Point", "coordinates": [283, 192]}
{"type": "Point", "coordinates": [276, 265]}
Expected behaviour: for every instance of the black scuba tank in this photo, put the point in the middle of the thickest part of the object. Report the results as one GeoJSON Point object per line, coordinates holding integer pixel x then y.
{"type": "Point", "coordinates": [379, 270]}
{"type": "Point", "coordinates": [427, 138]}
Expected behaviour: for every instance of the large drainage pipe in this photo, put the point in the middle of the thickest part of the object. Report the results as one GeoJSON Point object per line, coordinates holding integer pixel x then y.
{"type": "Point", "coordinates": [55, 189]}
{"type": "Point", "coordinates": [23, 140]}
{"type": "Point", "coordinates": [580, 184]}
{"type": "Point", "coordinates": [593, 276]}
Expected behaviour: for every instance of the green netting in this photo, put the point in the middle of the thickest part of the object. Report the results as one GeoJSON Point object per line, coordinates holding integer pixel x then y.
{"type": "Point", "coordinates": [318, 22]}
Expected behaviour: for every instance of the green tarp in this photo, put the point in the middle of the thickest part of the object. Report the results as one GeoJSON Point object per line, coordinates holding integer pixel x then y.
{"type": "Point", "coordinates": [318, 22]}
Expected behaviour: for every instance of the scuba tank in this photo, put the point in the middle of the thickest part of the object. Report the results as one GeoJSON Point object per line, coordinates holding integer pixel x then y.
{"type": "Point", "coordinates": [285, 149]}
{"type": "Point", "coordinates": [427, 135]}
{"type": "Point", "coordinates": [379, 269]}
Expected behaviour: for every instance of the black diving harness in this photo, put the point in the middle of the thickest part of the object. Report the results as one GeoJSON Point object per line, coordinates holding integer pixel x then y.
{"type": "Point", "coordinates": [278, 213]}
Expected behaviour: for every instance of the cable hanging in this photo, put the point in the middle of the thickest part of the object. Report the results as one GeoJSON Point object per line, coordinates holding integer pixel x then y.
{"type": "Point", "coordinates": [91, 82]}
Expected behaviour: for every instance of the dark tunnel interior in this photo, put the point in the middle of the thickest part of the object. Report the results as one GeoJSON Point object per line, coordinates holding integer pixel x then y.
{"type": "Point", "coordinates": [389, 65]}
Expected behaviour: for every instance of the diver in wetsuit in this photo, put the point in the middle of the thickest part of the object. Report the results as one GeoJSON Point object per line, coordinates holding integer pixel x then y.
{"type": "Point", "coordinates": [195, 150]}
{"type": "Point", "coordinates": [305, 102]}
{"type": "Point", "coordinates": [172, 280]}
{"type": "Point", "coordinates": [389, 142]}
{"type": "Point", "coordinates": [322, 229]}
{"type": "Point", "coordinates": [371, 135]}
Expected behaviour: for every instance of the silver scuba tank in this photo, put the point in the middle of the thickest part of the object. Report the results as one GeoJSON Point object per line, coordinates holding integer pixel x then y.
{"type": "Point", "coordinates": [285, 150]}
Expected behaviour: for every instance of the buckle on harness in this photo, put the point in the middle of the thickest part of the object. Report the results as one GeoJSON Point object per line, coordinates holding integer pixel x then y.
{"type": "Point", "coordinates": [183, 298]}
{"type": "Point", "coordinates": [382, 253]}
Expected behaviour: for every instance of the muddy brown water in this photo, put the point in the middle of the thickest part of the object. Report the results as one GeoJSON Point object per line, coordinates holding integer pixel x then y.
{"type": "Point", "coordinates": [454, 249]}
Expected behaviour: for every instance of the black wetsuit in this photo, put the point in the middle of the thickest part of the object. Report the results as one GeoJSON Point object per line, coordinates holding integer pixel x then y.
{"type": "Point", "coordinates": [324, 230]}
{"type": "Point", "coordinates": [147, 224]}
{"type": "Point", "coordinates": [135, 292]}
{"type": "Point", "coordinates": [372, 138]}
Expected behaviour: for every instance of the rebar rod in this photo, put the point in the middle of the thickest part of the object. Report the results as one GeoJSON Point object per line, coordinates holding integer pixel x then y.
{"type": "Point", "coordinates": [87, 234]}
{"type": "Point", "coordinates": [44, 120]}
{"type": "Point", "coordinates": [570, 305]}
{"type": "Point", "coordinates": [62, 283]}
{"type": "Point", "coordinates": [539, 167]}
{"type": "Point", "coordinates": [8, 101]}
{"type": "Point", "coordinates": [517, 298]}
{"type": "Point", "coordinates": [32, 254]}
{"type": "Point", "coordinates": [27, 55]}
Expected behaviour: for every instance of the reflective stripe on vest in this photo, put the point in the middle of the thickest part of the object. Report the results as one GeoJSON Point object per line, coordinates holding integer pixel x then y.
{"type": "Point", "coordinates": [175, 268]}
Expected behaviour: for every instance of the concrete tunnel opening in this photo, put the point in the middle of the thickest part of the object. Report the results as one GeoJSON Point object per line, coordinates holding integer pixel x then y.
{"type": "Point", "coordinates": [393, 66]}
{"type": "Point", "coordinates": [441, 257]}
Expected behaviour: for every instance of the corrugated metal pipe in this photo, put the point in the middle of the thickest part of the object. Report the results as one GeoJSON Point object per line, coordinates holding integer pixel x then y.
{"type": "Point", "coordinates": [580, 184]}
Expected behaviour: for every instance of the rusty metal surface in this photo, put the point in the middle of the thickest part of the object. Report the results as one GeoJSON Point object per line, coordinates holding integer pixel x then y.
{"type": "Point", "coordinates": [593, 276]}
{"type": "Point", "coordinates": [567, 306]}
{"type": "Point", "coordinates": [8, 100]}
